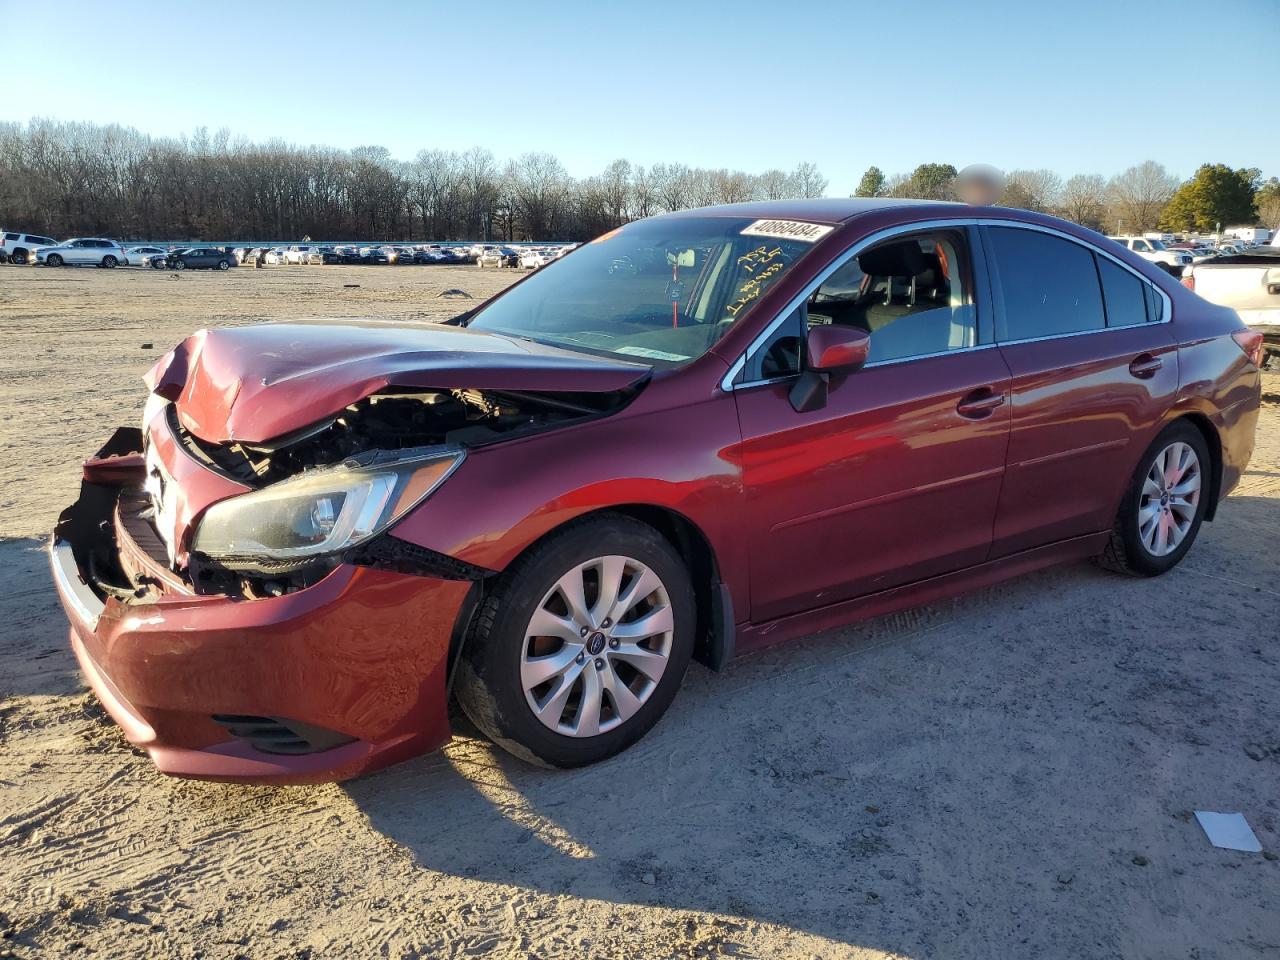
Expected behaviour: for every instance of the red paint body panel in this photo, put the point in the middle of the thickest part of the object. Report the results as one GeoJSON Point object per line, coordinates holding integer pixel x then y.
{"type": "Point", "coordinates": [256, 383]}
{"type": "Point", "coordinates": [888, 496]}
{"type": "Point", "coordinates": [886, 484]}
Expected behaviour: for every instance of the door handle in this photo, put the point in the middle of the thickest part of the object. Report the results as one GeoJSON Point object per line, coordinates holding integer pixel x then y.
{"type": "Point", "coordinates": [1144, 366]}
{"type": "Point", "coordinates": [979, 403]}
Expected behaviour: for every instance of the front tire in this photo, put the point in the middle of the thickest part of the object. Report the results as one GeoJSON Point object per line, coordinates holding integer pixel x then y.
{"type": "Point", "coordinates": [1163, 506]}
{"type": "Point", "coordinates": [179, 264]}
{"type": "Point", "coordinates": [580, 647]}
{"type": "Point", "coordinates": [223, 265]}
{"type": "Point", "coordinates": [53, 260]}
{"type": "Point", "coordinates": [109, 262]}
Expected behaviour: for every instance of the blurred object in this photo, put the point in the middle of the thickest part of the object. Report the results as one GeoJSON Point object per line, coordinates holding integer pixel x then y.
{"type": "Point", "coordinates": [1229, 831]}
{"type": "Point", "coordinates": [980, 185]}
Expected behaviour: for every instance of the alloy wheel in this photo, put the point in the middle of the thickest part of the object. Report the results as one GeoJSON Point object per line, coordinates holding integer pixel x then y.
{"type": "Point", "coordinates": [1168, 500]}
{"type": "Point", "coordinates": [596, 646]}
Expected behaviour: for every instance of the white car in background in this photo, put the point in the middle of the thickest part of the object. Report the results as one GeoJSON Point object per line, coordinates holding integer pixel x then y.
{"type": "Point", "coordinates": [82, 251]}
{"type": "Point", "coordinates": [142, 256]}
{"type": "Point", "coordinates": [277, 255]}
{"type": "Point", "coordinates": [301, 253]}
{"type": "Point", "coordinates": [1149, 248]}
{"type": "Point", "coordinates": [18, 247]}
{"type": "Point", "coordinates": [533, 259]}
{"type": "Point", "coordinates": [488, 256]}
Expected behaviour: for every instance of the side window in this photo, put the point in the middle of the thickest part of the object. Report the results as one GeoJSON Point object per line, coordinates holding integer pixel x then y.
{"type": "Point", "coordinates": [1124, 294]}
{"type": "Point", "coordinates": [1049, 286]}
{"type": "Point", "coordinates": [1141, 245]}
{"type": "Point", "coordinates": [1155, 308]}
{"type": "Point", "coordinates": [11, 236]}
{"type": "Point", "coordinates": [913, 295]}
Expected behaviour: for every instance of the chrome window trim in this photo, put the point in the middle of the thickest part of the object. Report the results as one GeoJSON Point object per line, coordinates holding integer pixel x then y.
{"type": "Point", "coordinates": [727, 384]}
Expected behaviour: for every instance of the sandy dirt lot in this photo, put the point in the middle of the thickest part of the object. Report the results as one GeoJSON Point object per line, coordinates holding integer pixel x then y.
{"type": "Point", "coordinates": [1010, 774]}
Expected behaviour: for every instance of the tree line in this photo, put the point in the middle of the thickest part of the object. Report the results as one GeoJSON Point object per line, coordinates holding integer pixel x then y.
{"type": "Point", "coordinates": [67, 179]}
{"type": "Point", "coordinates": [1144, 197]}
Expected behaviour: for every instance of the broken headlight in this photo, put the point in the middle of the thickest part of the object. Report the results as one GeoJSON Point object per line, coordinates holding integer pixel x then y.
{"type": "Point", "coordinates": [319, 513]}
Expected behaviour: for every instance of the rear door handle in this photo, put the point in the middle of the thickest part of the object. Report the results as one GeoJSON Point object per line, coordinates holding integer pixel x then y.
{"type": "Point", "coordinates": [979, 403]}
{"type": "Point", "coordinates": [1144, 366]}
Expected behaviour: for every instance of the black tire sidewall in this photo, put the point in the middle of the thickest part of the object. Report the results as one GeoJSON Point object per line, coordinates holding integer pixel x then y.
{"type": "Point", "coordinates": [1136, 553]}
{"type": "Point", "coordinates": [494, 660]}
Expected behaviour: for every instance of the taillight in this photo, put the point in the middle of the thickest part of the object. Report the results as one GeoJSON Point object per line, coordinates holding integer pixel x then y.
{"type": "Point", "coordinates": [1250, 341]}
{"type": "Point", "coordinates": [1189, 281]}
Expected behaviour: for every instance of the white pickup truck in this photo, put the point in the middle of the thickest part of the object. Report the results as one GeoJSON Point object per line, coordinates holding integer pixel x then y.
{"type": "Point", "coordinates": [1248, 283]}
{"type": "Point", "coordinates": [1149, 248]}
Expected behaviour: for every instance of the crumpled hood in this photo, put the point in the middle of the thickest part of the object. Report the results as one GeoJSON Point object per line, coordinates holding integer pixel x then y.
{"type": "Point", "coordinates": [255, 383]}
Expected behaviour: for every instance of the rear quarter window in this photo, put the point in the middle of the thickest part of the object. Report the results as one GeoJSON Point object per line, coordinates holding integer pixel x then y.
{"type": "Point", "coordinates": [1123, 293]}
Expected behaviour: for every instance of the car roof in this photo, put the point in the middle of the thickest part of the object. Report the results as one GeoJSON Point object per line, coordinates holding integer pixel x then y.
{"type": "Point", "coordinates": [820, 209]}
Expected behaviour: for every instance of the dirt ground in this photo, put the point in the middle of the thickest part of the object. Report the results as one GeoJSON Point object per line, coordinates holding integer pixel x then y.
{"type": "Point", "coordinates": [1010, 774]}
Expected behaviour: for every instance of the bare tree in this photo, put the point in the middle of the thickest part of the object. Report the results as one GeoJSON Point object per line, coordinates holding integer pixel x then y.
{"type": "Point", "coordinates": [1083, 199]}
{"type": "Point", "coordinates": [1139, 194]}
{"type": "Point", "coordinates": [806, 181]}
{"type": "Point", "coordinates": [1032, 189]}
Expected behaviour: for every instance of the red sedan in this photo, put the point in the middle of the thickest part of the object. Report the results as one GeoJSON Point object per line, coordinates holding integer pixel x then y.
{"type": "Point", "coordinates": [697, 435]}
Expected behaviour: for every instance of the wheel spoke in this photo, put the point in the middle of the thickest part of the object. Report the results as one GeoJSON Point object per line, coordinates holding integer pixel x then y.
{"type": "Point", "coordinates": [658, 620]}
{"type": "Point", "coordinates": [625, 703]}
{"type": "Point", "coordinates": [1151, 487]}
{"type": "Point", "coordinates": [611, 570]}
{"type": "Point", "coordinates": [648, 662]}
{"type": "Point", "coordinates": [1147, 513]}
{"type": "Point", "coordinates": [637, 590]}
{"type": "Point", "coordinates": [547, 624]}
{"type": "Point", "coordinates": [552, 708]}
{"type": "Point", "coordinates": [538, 670]}
{"type": "Point", "coordinates": [573, 590]}
{"type": "Point", "coordinates": [1188, 484]}
{"type": "Point", "coordinates": [1184, 508]}
{"type": "Point", "coordinates": [588, 722]}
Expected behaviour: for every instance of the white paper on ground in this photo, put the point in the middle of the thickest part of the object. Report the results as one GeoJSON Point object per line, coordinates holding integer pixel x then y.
{"type": "Point", "coordinates": [1230, 831]}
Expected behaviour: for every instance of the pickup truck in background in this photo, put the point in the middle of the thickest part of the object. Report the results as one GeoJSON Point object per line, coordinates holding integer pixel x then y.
{"type": "Point", "coordinates": [1248, 283]}
{"type": "Point", "coordinates": [1150, 248]}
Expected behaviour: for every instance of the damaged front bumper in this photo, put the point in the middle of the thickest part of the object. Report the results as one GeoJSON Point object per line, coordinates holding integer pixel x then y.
{"type": "Point", "coordinates": [324, 683]}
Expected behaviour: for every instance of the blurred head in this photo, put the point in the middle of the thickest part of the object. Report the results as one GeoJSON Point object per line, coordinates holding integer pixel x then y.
{"type": "Point", "coordinates": [980, 184]}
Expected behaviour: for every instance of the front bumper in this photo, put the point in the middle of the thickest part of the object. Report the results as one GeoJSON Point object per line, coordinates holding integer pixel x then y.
{"type": "Point", "coordinates": [351, 671]}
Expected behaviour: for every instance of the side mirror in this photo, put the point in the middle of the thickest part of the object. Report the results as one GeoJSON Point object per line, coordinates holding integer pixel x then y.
{"type": "Point", "coordinates": [834, 349]}
{"type": "Point", "coordinates": [829, 349]}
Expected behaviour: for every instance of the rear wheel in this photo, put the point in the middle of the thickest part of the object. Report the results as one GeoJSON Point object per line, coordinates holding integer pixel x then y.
{"type": "Point", "coordinates": [1164, 505]}
{"type": "Point", "coordinates": [580, 648]}
{"type": "Point", "coordinates": [18, 256]}
{"type": "Point", "coordinates": [179, 264]}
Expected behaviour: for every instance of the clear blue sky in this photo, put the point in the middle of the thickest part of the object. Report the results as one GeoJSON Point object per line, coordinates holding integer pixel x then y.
{"type": "Point", "coordinates": [1077, 87]}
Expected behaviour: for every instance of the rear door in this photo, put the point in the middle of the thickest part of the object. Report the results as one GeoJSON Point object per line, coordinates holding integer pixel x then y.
{"type": "Point", "coordinates": [1094, 368]}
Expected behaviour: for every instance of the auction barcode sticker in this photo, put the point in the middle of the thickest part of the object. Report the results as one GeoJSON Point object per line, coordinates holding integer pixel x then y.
{"type": "Point", "coordinates": [788, 230]}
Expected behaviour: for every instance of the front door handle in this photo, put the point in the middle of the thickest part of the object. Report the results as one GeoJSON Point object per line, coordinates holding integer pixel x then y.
{"type": "Point", "coordinates": [979, 403]}
{"type": "Point", "coordinates": [1144, 366]}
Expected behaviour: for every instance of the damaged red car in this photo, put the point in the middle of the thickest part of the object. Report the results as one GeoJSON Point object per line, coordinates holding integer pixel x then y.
{"type": "Point", "coordinates": [699, 434]}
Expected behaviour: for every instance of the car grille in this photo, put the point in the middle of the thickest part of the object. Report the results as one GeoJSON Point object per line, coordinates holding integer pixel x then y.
{"type": "Point", "coordinates": [275, 735]}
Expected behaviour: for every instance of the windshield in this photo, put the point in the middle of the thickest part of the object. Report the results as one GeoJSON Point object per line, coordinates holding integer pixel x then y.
{"type": "Point", "coordinates": [663, 290]}
{"type": "Point", "coordinates": [1157, 244]}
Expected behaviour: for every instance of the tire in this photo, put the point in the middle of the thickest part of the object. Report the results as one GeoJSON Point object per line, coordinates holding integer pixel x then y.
{"type": "Point", "coordinates": [158, 265]}
{"type": "Point", "coordinates": [223, 265]}
{"type": "Point", "coordinates": [53, 260]}
{"type": "Point", "coordinates": [499, 649]}
{"type": "Point", "coordinates": [19, 256]}
{"type": "Point", "coordinates": [179, 264]}
{"type": "Point", "coordinates": [109, 262]}
{"type": "Point", "coordinates": [1136, 546]}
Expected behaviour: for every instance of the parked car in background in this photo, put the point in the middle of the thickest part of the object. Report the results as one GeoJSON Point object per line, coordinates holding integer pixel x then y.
{"type": "Point", "coordinates": [532, 259]}
{"type": "Point", "coordinates": [200, 258]}
{"type": "Point", "coordinates": [17, 247]}
{"type": "Point", "coordinates": [276, 255]}
{"type": "Point", "coordinates": [784, 417]}
{"type": "Point", "coordinates": [298, 254]}
{"type": "Point", "coordinates": [142, 256]}
{"type": "Point", "coordinates": [374, 255]}
{"type": "Point", "coordinates": [82, 251]}
{"type": "Point", "coordinates": [488, 256]}
{"type": "Point", "coordinates": [1155, 251]}
{"type": "Point", "coordinates": [1248, 283]}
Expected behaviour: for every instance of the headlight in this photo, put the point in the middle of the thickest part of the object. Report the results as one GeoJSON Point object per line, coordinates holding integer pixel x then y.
{"type": "Point", "coordinates": [319, 513]}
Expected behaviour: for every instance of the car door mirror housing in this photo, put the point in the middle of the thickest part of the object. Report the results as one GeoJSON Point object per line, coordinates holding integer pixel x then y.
{"type": "Point", "coordinates": [830, 350]}
{"type": "Point", "coordinates": [834, 349]}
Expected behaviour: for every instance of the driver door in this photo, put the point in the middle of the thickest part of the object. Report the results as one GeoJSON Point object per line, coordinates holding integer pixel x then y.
{"type": "Point", "coordinates": [896, 477]}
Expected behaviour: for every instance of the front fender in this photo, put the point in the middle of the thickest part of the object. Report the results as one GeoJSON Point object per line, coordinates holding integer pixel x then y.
{"type": "Point", "coordinates": [506, 496]}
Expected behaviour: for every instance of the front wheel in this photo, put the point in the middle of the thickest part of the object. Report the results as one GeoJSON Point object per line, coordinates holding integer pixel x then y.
{"type": "Point", "coordinates": [1164, 505]}
{"type": "Point", "coordinates": [223, 265]}
{"type": "Point", "coordinates": [179, 264]}
{"type": "Point", "coordinates": [53, 260]}
{"type": "Point", "coordinates": [581, 646]}
{"type": "Point", "coordinates": [109, 262]}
